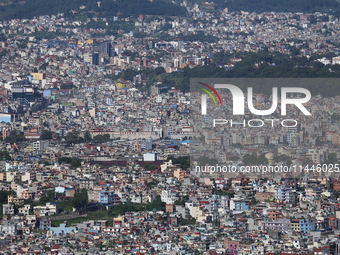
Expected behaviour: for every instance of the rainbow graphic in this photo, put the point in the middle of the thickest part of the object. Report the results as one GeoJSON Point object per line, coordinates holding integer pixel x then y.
{"type": "Point", "coordinates": [210, 94]}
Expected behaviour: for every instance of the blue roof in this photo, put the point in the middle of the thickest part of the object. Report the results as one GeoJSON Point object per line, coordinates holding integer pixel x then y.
{"type": "Point", "coordinates": [187, 141]}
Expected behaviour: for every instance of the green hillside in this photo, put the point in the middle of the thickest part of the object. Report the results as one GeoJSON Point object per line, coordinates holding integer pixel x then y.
{"type": "Point", "coordinates": [276, 5]}
{"type": "Point", "coordinates": [31, 8]}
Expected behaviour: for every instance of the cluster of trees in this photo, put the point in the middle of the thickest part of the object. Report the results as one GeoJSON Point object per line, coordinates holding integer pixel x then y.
{"type": "Point", "coordinates": [49, 197]}
{"type": "Point", "coordinates": [96, 139]}
{"type": "Point", "coordinates": [276, 5]}
{"type": "Point", "coordinates": [4, 155]}
{"type": "Point", "coordinates": [74, 162]}
{"type": "Point", "coordinates": [182, 201]}
{"type": "Point", "coordinates": [160, 7]}
{"type": "Point", "coordinates": [335, 116]}
{"type": "Point", "coordinates": [188, 221]}
{"type": "Point", "coordinates": [3, 37]}
{"type": "Point", "coordinates": [127, 75]}
{"type": "Point", "coordinates": [284, 159]}
{"type": "Point", "coordinates": [153, 183]}
{"type": "Point", "coordinates": [122, 208]}
{"type": "Point", "coordinates": [183, 161]}
{"type": "Point", "coordinates": [224, 192]}
{"type": "Point", "coordinates": [264, 64]}
{"type": "Point", "coordinates": [107, 7]}
{"type": "Point", "coordinates": [282, 6]}
{"type": "Point", "coordinates": [252, 159]}
{"type": "Point", "coordinates": [47, 35]}
{"type": "Point", "coordinates": [69, 85]}
{"type": "Point", "coordinates": [332, 159]}
{"type": "Point", "coordinates": [43, 66]}
{"type": "Point", "coordinates": [74, 137]}
{"type": "Point", "coordinates": [205, 160]}
{"type": "Point", "coordinates": [23, 44]}
{"type": "Point", "coordinates": [148, 166]}
{"type": "Point", "coordinates": [4, 198]}
{"type": "Point", "coordinates": [101, 138]}
{"type": "Point", "coordinates": [3, 53]}
{"type": "Point", "coordinates": [276, 65]}
{"type": "Point", "coordinates": [46, 135]}
{"type": "Point", "coordinates": [80, 200]}
{"type": "Point", "coordinates": [15, 136]}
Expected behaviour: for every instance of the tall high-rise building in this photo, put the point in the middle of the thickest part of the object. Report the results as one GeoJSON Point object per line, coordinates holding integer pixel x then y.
{"type": "Point", "coordinates": [95, 58]}
{"type": "Point", "coordinates": [105, 47]}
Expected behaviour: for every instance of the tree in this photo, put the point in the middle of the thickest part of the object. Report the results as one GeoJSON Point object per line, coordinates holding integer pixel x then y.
{"type": "Point", "coordinates": [4, 196]}
{"type": "Point", "coordinates": [188, 221]}
{"type": "Point", "coordinates": [101, 138]}
{"type": "Point", "coordinates": [121, 208]}
{"type": "Point", "coordinates": [159, 70]}
{"type": "Point", "coordinates": [335, 116]}
{"type": "Point", "coordinates": [80, 199]}
{"type": "Point", "coordinates": [157, 204]}
{"type": "Point", "coordinates": [87, 136]}
{"type": "Point", "coordinates": [43, 66]}
{"type": "Point", "coordinates": [237, 145]}
{"type": "Point", "coordinates": [152, 183]}
{"type": "Point", "coordinates": [46, 135]}
{"type": "Point", "coordinates": [262, 159]}
{"type": "Point", "coordinates": [182, 200]}
{"type": "Point", "coordinates": [47, 198]}
{"type": "Point", "coordinates": [3, 37]}
{"type": "Point", "coordinates": [284, 159]}
{"type": "Point", "coordinates": [150, 167]}
{"type": "Point", "coordinates": [73, 137]}
{"type": "Point", "coordinates": [249, 159]}
{"type": "Point", "coordinates": [4, 155]}
{"type": "Point", "coordinates": [183, 161]}
{"type": "Point", "coordinates": [15, 136]}
{"type": "Point", "coordinates": [67, 86]}
{"type": "Point", "coordinates": [332, 159]}
{"type": "Point", "coordinates": [74, 162]}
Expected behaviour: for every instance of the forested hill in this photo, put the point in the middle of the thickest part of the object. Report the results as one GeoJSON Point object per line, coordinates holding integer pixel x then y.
{"type": "Point", "coordinates": [27, 9]}
{"type": "Point", "coordinates": [306, 6]}
{"type": "Point", "coordinates": [18, 9]}
{"type": "Point", "coordinates": [263, 64]}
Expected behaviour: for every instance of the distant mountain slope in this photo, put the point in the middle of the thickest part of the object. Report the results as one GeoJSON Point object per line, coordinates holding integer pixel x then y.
{"type": "Point", "coordinates": [19, 9]}
{"type": "Point", "coordinates": [276, 5]}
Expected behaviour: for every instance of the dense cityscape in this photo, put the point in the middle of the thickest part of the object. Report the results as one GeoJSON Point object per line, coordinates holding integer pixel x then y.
{"type": "Point", "coordinates": [96, 135]}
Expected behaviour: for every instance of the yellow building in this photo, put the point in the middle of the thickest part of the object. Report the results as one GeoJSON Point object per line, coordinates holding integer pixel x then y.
{"type": "Point", "coordinates": [336, 138]}
{"type": "Point", "coordinates": [92, 112]}
{"type": "Point", "coordinates": [295, 224]}
{"type": "Point", "coordinates": [3, 176]}
{"type": "Point", "coordinates": [15, 200]}
{"type": "Point", "coordinates": [10, 176]}
{"type": "Point", "coordinates": [38, 76]}
{"type": "Point", "coordinates": [88, 41]}
{"type": "Point", "coordinates": [119, 85]}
